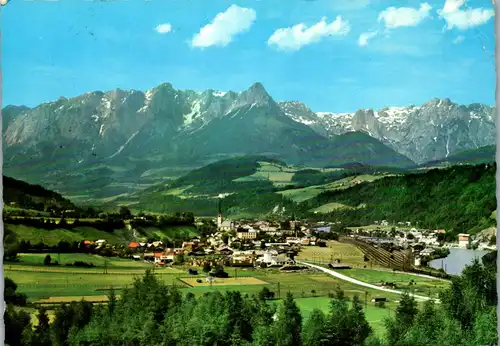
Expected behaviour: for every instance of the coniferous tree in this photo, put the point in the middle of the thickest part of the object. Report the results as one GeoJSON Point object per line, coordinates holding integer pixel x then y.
{"type": "Point", "coordinates": [288, 324]}
{"type": "Point", "coordinates": [405, 314]}
{"type": "Point", "coordinates": [16, 322]}
{"type": "Point", "coordinates": [314, 332]}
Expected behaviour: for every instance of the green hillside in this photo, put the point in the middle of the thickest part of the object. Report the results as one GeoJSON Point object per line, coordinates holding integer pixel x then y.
{"type": "Point", "coordinates": [476, 156]}
{"type": "Point", "coordinates": [460, 199]}
{"type": "Point", "coordinates": [21, 195]}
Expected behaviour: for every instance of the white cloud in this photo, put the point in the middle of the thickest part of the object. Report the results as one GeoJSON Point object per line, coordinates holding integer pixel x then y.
{"type": "Point", "coordinates": [365, 37]}
{"type": "Point", "coordinates": [164, 28]}
{"type": "Point", "coordinates": [463, 19]}
{"type": "Point", "coordinates": [458, 39]}
{"type": "Point", "coordinates": [404, 16]}
{"type": "Point", "coordinates": [221, 31]}
{"type": "Point", "coordinates": [295, 37]}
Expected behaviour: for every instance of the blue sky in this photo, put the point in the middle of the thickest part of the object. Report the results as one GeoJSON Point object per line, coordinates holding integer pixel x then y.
{"type": "Point", "coordinates": [334, 55]}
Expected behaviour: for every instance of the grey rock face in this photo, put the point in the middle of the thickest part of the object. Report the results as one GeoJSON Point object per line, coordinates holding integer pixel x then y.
{"type": "Point", "coordinates": [435, 130]}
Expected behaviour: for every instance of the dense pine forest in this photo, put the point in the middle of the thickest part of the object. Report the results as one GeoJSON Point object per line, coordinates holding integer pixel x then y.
{"type": "Point", "coordinates": [459, 199]}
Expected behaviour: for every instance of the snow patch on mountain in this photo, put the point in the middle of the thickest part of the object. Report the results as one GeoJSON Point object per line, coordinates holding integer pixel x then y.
{"type": "Point", "coordinates": [195, 110]}
{"type": "Point", "coordinates": [415, 131]}
{"type": "Point", "coordinates": [219, 93]}
{"type": "Point", "coordinates": [124, 145]}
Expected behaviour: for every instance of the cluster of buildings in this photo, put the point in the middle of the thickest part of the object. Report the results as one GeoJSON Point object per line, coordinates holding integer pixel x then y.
{"type": "Point", "coordinates": [237, 243]}
{"type": "Point", "coordinates": [214, 250]}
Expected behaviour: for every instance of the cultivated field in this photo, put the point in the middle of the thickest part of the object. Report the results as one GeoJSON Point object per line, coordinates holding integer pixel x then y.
{"type": "Point", "coordinates": [223, 281]}
{"type": "Point", "coordinates": [326, 208]}
{"type": "Point", "coordinates": [46, 282]}
{"type": "Point", "coordinates": [118, 236]}
{"type": "Point", "coordinates": [69, 299]}
{"type": "Point", "coordinates": [419, 285]}
{"type": "Point", "coordinates": [269, 171]}
{"type": "Point", "coordinates": [311, 289]}
{"type": "Point", "coordinates": [34, 259]}
{"type": "Point", "coordinates": [374, 315]}
{"type": "Point", "coordinates": [300, 195]}
{"type": "Point", "coordinates": [348, 254]}
{"type": "Point", "coordinates": [380, 228]}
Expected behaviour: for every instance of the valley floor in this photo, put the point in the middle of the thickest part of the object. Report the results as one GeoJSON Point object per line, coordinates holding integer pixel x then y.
{"type": "Point", "coordinates": [53, 285]}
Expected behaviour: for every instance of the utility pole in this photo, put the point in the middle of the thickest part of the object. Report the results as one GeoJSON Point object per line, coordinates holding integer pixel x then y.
{"type": "Point", "coordinates": [366, 299]}
{"type": "Point", "coordinates": [279, 295]}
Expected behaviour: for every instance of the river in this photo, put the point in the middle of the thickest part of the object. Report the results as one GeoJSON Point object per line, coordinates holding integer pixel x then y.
{"type": "Point", "coordinates": [456, 261]}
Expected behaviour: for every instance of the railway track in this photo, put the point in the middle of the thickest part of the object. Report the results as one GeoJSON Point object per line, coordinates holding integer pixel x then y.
{"type": "Point", "coordinates": [379, 255]}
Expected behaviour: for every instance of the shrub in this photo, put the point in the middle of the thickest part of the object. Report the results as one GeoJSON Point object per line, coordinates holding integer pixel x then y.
{"type": "Point", "coordinates": [47, 260]}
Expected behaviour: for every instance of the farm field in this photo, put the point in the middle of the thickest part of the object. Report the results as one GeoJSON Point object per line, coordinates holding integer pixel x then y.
{"type": "Point", "coordinates": [379, 227]}
{"type": "Point", "coordinates": [34, 259]}
{"type": "Point", "coordinates": [348, 254]}
{"type": "Point", "coordinates": [118, 236]}
{"type": "Point", "coordinates": [42, 282]}
{"type": "Point", "coordinates": [422, 285]}
{"type": "Point", "coordinates": [29, 212]}
{"type": "Point", "coordinates": [303, 194]}
{"type": "Point", "coordinates": [326, 208]}
{"type": "Point", "coordinates": [310, 289]}
{"type": "Point", "coordinates": [53, 237]}
{"type": "Point", "coordinates": [43, 285]}
{"type": "Point", "coordinates": [223, 281]}
{"type": "Point", "coordinates": [278, 175]}
{"type": "Point", "coordinates": [374, 315]}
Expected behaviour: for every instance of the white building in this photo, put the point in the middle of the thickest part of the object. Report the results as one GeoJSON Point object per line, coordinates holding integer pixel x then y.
{"type": "Point", "coordinates": [227, 226]}
{"type": "Point", "coordinates": [427, 252]}
{"type": "Point", "coordinates": [100, 243]}
{"type": "Point", "coordinates": [417, 262]}
{"type": "Point", "coordinates": [273, 259]}
{"type": "Point", "coordinates": [463, 240]}
{"type": "Point", "coordinates": [429, 240]}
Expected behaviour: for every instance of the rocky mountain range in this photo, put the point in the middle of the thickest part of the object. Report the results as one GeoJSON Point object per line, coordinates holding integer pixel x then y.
{"type": "Point", "coordinates": [108, 143]}
{"type": "Point", "coordinates": [433, 131]}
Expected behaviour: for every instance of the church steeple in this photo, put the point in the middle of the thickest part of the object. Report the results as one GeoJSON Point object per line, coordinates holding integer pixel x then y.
{"type": "Point", "coordinates": [219, 215]}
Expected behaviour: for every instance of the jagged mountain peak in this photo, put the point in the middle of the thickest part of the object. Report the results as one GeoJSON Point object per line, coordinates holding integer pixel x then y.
{"type": "Point", "coordinates": [255, 95]}
{"type": "Point", "coordinates": [439, 102]}
{"type": "Point", "coordinates": [437, 128]}
{"type": "Point", "coordinates": [296, 105]}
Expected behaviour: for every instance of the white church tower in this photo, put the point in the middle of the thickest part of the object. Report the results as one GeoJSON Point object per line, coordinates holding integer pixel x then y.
{"type": "Point", "coordinates": [219, 216]}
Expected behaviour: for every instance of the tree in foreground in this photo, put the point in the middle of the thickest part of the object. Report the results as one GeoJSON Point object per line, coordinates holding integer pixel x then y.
{"type": "Point", "coordinates": [314, 333]}
{"type": "Point", "coordinates": [288, 323]}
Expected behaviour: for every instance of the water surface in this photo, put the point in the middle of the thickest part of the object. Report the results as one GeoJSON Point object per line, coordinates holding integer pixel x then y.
{"type": "Point", "coordinates": [457, 260]}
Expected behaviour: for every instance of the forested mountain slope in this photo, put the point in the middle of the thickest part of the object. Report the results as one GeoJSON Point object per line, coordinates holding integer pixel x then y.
{"type": "Point", "coordinates": [459, 199]}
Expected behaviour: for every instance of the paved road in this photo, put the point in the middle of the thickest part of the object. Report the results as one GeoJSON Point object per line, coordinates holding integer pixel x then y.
{"type": "Point", "coordinates": [361, 283]}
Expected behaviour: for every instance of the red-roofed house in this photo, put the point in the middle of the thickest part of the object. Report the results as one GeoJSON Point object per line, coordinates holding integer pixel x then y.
{"type": "Point", "coordinates": [134, 245]}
